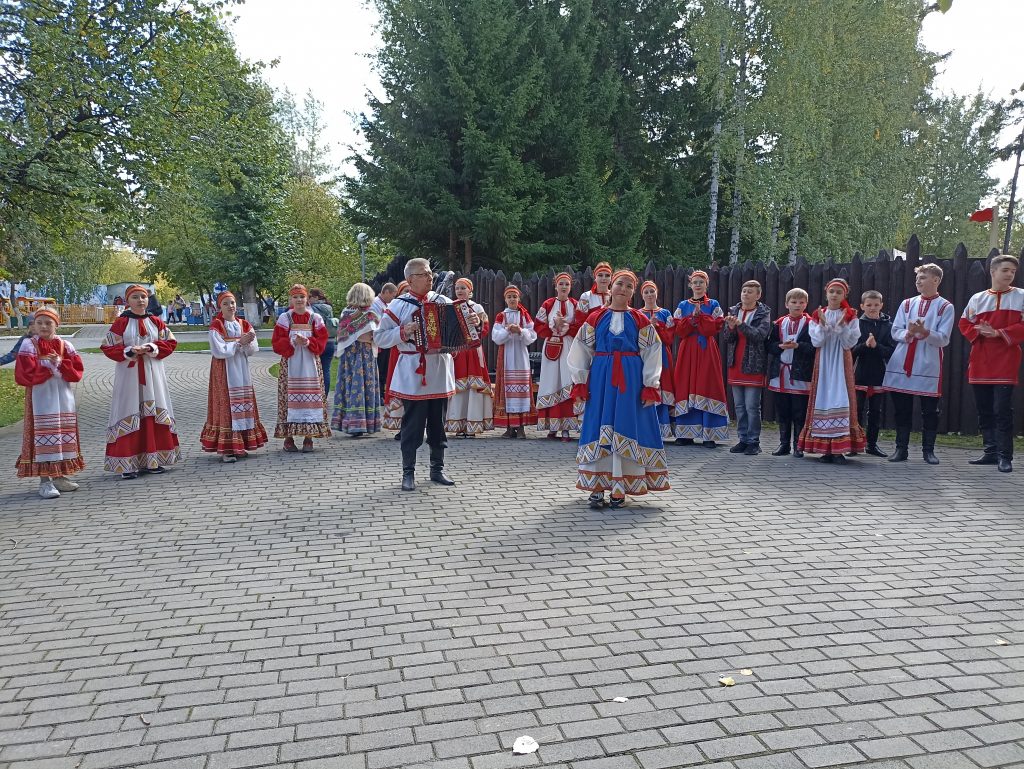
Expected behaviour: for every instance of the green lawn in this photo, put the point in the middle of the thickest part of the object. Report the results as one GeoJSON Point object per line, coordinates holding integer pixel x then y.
{"type": "Point", "coordinates": [276, 369]}
{"type": "Point", "coordinates": [187, 346]}
{"type": "Point", "coordinates": [12, 398]}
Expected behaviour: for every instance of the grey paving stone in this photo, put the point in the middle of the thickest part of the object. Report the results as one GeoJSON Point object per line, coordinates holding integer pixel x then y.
{"type": "Point", "coordinates": [273, 633]}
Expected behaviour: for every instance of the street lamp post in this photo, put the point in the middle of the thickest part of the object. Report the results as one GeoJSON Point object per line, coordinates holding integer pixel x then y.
{"type": "Point", "coordinates": [362, 237]}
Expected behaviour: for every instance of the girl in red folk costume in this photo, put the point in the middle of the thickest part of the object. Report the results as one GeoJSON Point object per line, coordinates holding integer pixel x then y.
{"type": "Point", "coordinates": [700, 408]}
{"type": "Point", "coordinates": [664, 324]}
{"type": "Point", "coordinates": [513, 401]}
{"type": "Point", "coordinates": [471, 409]}
{"type": "Point", "coordinates": [598, 296]}
{"type": "Point", "coordinates": [232, 426]}
{"type": "Point", "coordinates": [831, 428]}
{"type": "Point", "coordinates": [46, 366]}
{"type": "Point", "coordinates": [393, 408]}
{"type": "Point", "coordinates": [557, 322]}
{"type": "Point", "coordinates": [300, 335]}
{"type": "Point", "coordinates": [141, 434]}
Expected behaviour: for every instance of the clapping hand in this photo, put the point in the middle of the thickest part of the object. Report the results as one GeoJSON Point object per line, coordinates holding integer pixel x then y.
{"type": "Point", "coordinates": [789, 345]}
{"type": "Point", "coordinates": [986, 330]}
{"type": "Point", "coordinates": [870, 341]}
{"type": "Point", "coordinates": [731, 321]}
{"type": "Point", "coordinates": [514, 329]}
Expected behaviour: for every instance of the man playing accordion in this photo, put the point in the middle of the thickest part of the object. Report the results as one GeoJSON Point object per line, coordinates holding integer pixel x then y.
{"type": "Point", "coordinates": [424, 381]}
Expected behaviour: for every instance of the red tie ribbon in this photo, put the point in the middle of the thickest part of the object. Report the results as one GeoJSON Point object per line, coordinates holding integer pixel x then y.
{"type": "Point", "coordinates": [618, 374]}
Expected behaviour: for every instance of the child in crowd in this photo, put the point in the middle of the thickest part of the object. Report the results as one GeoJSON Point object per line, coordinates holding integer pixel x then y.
{"type": "Point", "coordinates": [300, 336]}
{"type": "Point", "coordinates": [557, 322]}
{"type": "Point", "coordinates": [870, 355]}
{"type": "Point", "coordinates": [664, 324]}
{"type": "Point", "coordinates": [233, 427]}
{"type": "Point", "coordinates": [993, 322]}
{"type": "Point", "coordinates": [831, 427]}
{"type": "Point", "coordinates": [921, 330]}
{"type": "Point", "coordinates": [12, 354]}
{"type": "Point", "coordinates": [790, 369]}
{"type": "Point", "coordinates": [700, 409]}
{"type": "Point", "coordinates": [598, 296]}
{"type": "Point", "coordinates": [471, 409]}
{"type": "Point", "coordinates": [746, 328]}
{"type": "Point", "coordinates": [46, 366]}
{"type": "Point", "coordinates": [142, 436]}
{"type": "Point", "coordinates": [513, 332]}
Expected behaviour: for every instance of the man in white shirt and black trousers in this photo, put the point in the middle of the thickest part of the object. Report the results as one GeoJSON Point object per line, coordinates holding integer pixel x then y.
{"type": "Point", "coordinates": [424, 382]}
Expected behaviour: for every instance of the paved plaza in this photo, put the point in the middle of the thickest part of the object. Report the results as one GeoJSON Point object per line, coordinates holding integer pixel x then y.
{"type": "Point", "coordinates": [300, 611]}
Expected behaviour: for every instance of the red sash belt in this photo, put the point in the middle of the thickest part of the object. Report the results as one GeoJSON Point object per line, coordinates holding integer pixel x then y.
{"type": "Point", "coordinates": [908, 362]}
{"type": "Point", "coordinates": [618, 375]}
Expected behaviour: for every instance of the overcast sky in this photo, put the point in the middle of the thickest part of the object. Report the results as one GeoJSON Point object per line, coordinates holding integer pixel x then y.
{"type": "Point", "coordinates": [323, 46]}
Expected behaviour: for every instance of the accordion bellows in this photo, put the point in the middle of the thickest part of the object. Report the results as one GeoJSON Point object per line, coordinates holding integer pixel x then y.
{"type": "Point", "coordinates": [445, 327]}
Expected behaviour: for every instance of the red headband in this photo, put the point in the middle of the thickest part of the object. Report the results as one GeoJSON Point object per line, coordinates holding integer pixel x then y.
{"type": "Point", "coordinates": [839, 282]}
{"type": "Point", "coordinates": [298, 290]}
{"type": "Point", "coordinates": [647, 283]}
{"type": "Point", "coordinates": [565, 275]}
{"type": "Point", "coordinates": [603, 267]}
{"type": "Point", "coordinates": [512, 290]}
{"type": "Point", "coordinates": [224, 295]}
{"type": "Point", "coordinates": [626, 274]}
{"type": "Point", "coordinates": [700, 274]}
{"type": "Point", "coordinates": [135, 289]}
{"type": "Point", "coordinates": [465, 282]}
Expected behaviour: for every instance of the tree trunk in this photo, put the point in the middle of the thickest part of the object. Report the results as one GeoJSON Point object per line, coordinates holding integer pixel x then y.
{"type": "Point", "coordinates": [737, 195]}
{"type": "Point", "coordinates": [452, 241]}
{"type": "Point", "coordinates": [716, 158]}
{"type": "Point", "coordinates": [467, 256]}
{"type": "Point", "coordinates": [794, 232]}
{"type": "Point", "coordinates": [250, 301]}
{"type": "Point", "coordinates": [774, 241]}
{"type": "Point", "coordinates": [1013, 195]}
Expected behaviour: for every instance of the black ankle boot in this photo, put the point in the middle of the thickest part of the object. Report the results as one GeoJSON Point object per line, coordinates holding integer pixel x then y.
{"type": "Point", "coordinates": [902, 452]}
{"type": "Point", "coordinates": [785, 436]}
{"type": "Point", "coordinates": [928, 447]}
{"type": "Point", "coordinates": [409, 471]}
{"type": "Point", "coordinates": [437, 468]}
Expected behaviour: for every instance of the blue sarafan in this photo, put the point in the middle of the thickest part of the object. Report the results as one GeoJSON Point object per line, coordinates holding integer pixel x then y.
{"type": "Point", "coordinates": [616, 358]}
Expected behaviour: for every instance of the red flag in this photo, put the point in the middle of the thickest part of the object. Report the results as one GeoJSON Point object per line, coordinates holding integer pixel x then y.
{"type": "Point", "coordinates": [984, 215]}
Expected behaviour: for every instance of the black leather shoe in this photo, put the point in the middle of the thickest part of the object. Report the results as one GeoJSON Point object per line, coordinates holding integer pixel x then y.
{"type": "Point", "coordinates": [798, 453]}
{"type": "Point", "coordinates": [752, 449]}
{"type": "Point", "coordinates": [838, 459]}
{"type": "Point", "coordinates": [408, 481]}
{"type": "Point", "coordinates": [1005, 465]}
{"type": "Point", "coordinates": [710, 445]}
{"type": "Point", "coordinates": [929, 457]}
{"type": "Point", "coordinates": [985, 459]}
{"type": "Point", "coordinates": [739, 448]}
{"type": "Point", "coordinates": [875, 452]}
{"type": "Point", "coordinates": [900, 455]}
{"type": "Point", "coordinates": [781, 451]}
{"type": "Point", "coordinates": [398, 437]}
{"type": "Point", "coordinates": [438, 476]}
{"type": "Point", "coordinates": [684, 441]}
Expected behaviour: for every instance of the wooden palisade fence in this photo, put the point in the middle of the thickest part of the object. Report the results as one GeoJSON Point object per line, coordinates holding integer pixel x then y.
{"type": "Point", "coordinates": [892, 276]}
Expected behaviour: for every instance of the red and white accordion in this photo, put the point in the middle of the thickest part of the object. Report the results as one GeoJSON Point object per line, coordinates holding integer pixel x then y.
{"type": "Point", "coordinates": [445, 327]}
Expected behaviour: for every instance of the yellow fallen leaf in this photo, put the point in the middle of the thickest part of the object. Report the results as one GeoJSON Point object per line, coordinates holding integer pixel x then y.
{"type": "Point", "coordinates": [746, 672]}
{"type": "Point", "coordinates": [727, 681]}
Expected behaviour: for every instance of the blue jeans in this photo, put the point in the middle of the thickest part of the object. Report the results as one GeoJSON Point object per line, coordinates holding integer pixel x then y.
{"type": "Point", "coordinates": [747, 401]}
{"type": "Point", "coordinates": [325, 364]}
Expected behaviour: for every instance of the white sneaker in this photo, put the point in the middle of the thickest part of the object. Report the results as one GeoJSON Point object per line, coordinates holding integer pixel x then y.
{"type": "Point", "coordinates": [64, 484]}
{"type": "Point", "coordinates": [47, 490]}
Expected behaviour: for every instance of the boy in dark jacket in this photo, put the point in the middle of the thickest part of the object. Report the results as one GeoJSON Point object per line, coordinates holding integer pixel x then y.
{"type": "Point", "coordinates": [746, 330]}
{"type": "Point", "coordinates": [870, 355]}
{"type": "Point", "coordinates": [790, 369]}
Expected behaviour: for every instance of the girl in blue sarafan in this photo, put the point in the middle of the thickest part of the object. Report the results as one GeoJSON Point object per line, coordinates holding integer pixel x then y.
{"type": "Point", "coordinates": [615, 362]}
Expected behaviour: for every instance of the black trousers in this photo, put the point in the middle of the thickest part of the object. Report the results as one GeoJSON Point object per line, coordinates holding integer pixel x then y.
{"type": "Point", "coordinates": [869, 414]}
{"type": "Point", "coordinates": [995, 417]}
{"type": "Point", "coordinates": [422, 414]}
{"type": "Point", "coordinates": [791, 411]}
{"type": "Point", "coordinates": [383, 358]}
{"type": "Point", "coordinates": [903, 406]}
